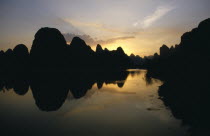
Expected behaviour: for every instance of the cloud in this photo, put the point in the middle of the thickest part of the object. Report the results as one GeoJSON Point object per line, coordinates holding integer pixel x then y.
{"type": "Point", "coordinates": [96, 26]}
{"type": "Point", "coordinates": [112, 40]}
{"type": "Point", "coordinates": [157, 14]}
{"type": "Point", "coordinates": [93, 41]}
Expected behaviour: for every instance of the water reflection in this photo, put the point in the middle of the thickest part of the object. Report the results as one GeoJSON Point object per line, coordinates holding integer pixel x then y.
{"type": "Point", "coordinates": [50, 90]}
{"type": "Point", "coordinates": [112, 103]}
{"type": "Point", "coordinates": [188, 99]}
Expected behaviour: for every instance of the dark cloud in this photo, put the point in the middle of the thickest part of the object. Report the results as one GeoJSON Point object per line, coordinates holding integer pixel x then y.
{"type": "Point", "coordinates": [91, 41]}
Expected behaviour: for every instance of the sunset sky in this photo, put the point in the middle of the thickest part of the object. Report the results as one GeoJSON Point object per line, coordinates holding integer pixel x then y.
{"type": "Point", "coordinates": [138, 26]}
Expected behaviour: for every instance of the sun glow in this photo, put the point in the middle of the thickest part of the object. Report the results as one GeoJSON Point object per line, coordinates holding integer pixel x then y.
{"type": "Point", "coordinates": [125, 44]}
{"type": "Point", "coordinates": [129, 46]}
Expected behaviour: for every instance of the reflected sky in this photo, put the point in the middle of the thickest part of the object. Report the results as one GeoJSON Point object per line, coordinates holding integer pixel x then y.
{"type": "Point", "coordinates": [131, 109]}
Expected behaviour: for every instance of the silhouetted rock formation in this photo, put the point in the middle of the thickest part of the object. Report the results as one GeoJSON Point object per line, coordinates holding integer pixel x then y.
{"type": "Point", "coordinates": [191, 54]}
{"type": "Point", "coordinates": [8, 60]}
{"type": "Point", "coordinates": [185, 71]}
{"type": "Point", "coordinates": [99, 49]}
{"type": "Point", "coordinates": [21, 57]}
{"type": "Point", "coordinates": [78, 43]}
{"type": "Point", "coordinates": [9, 53]}
{"type": "Point", "coordinates": [120, 51]}
{"type": "Point", "coordinates": [136, 60]}
{"type": "Point", "coordinates": [21, 52]}
{"type": "Point", "coordinates": [49, 52]}
{"type": "Point", "coordinates": [48, 49]}
{"type": "Point", "coordinates": [80, 55]}
{"type": "Point", "coordinates": [156, 56]}
{"type": "Point", "coordinates": [164, 50]}
{"type": "Point", "coordinates": [1, 55]}
{"type": "Point", "coordinates": [2, 60]}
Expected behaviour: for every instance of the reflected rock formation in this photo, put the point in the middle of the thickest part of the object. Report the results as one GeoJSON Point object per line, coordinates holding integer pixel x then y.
{"type": "Point", "coordinates": [188, 101]}
{"type": "Point", "coordinates": [80, 84]}
{"type": "Point", "coordinates": [21, 87]}
{"type": "Point", "coordinates": [19, 84]}
{"type": "Point", "coordinates": [50, 90]}
{"type": "Point", "coordinates": [100, 84]}
{"type": "Point", "coordinates": [120, 84]}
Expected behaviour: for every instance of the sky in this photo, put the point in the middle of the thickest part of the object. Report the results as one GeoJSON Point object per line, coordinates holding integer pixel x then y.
{"type": "Point", "coordinates": [138, 26]}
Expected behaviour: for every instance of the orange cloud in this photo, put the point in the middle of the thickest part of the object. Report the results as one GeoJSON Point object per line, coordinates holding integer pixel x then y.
{"type": "Point", "coordinates": [89, 40]}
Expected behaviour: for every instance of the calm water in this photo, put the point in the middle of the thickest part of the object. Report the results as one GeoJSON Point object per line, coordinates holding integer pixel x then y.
{"type": "Point", "coordinates": [128, 106]}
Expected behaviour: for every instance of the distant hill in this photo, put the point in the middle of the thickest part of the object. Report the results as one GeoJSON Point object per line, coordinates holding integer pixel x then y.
{"type": "Point", "coordinates": [50, 52]}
